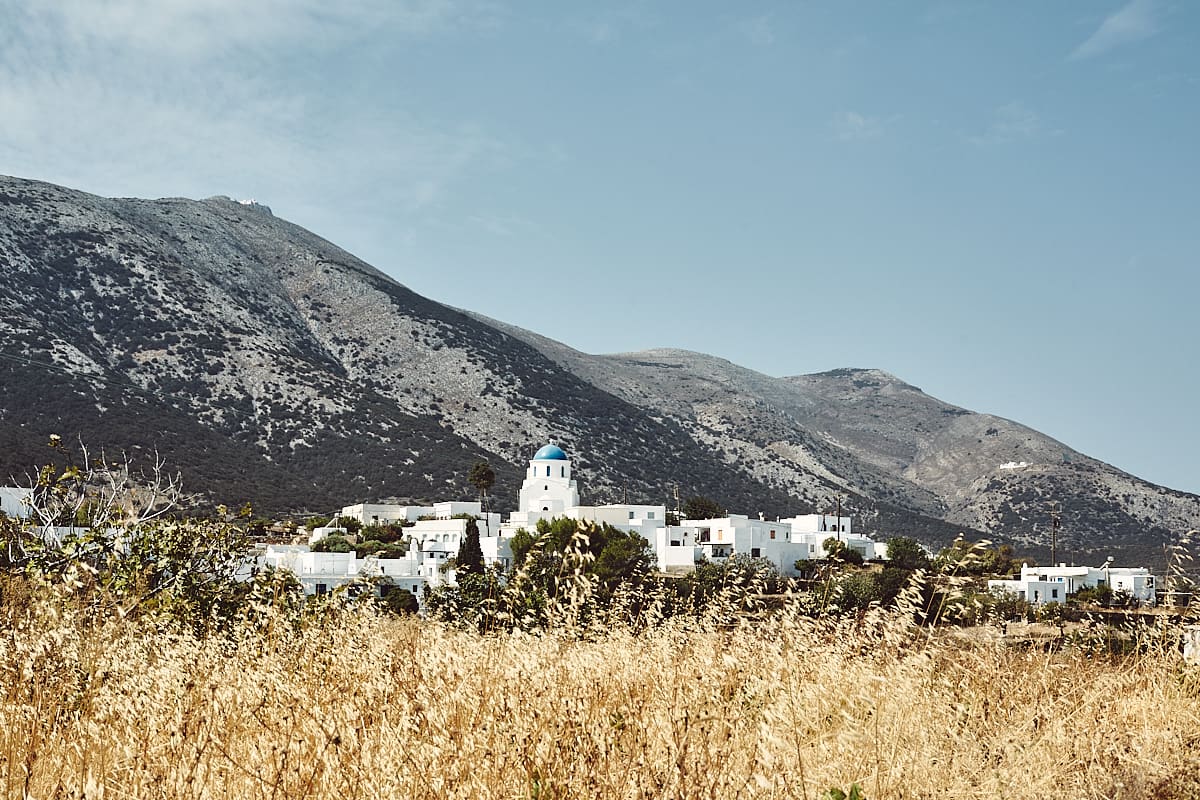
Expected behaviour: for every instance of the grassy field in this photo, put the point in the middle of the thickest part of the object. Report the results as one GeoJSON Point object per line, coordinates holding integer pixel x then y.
{"type": "Point", "coordinates": [351, 704]}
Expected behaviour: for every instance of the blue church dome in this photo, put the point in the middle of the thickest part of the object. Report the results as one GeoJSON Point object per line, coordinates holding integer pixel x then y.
{"type": "Point", "coordinates": [550, 453]}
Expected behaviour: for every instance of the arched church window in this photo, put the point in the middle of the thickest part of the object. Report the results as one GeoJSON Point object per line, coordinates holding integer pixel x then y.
{"type": "Point", "coordinates": [564, 472]}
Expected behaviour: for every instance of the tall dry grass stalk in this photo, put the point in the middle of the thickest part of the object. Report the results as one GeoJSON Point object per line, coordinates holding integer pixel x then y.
{"type": "Point", "coordinates": [350, 704]}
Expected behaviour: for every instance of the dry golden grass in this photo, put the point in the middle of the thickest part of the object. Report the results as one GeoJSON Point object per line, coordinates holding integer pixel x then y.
{"type": "Point", "coordinates": [354, 705]}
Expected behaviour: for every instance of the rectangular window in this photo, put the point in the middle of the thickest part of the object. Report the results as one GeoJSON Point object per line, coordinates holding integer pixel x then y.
{"type": "Point", "coordinates": [755, 552]}
{"type": "Point", "coordinates": [547, 470]}
{"type": "Point", "coordinates": [705, 535]}
{"type": "Point", "coordinates": [1054, 594]}
{"type": "Point", "coordinates": [772, 534]}
{"type": "Point", "coordinates": [649, 515]}
{"type": "Point", "coordinates": [631, 515]}
{"type": "Point", "coordinates": [322, 588]}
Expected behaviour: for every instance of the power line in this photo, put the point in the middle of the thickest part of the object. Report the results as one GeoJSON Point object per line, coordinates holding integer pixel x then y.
{"type": "Point", "coordinates": [101, 377]}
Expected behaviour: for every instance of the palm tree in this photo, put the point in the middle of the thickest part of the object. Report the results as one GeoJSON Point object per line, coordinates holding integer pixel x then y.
{"type": "Point", "coordinates": [483, 478]}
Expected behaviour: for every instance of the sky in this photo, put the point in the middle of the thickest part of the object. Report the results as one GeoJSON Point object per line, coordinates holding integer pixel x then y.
{"type": "Point", "coordinates": [997, 202]}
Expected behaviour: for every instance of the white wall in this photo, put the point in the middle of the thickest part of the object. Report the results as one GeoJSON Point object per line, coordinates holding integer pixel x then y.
{"type": "Point", "coordinates": [449, 508]}
{"type": "Point", "coordinates": [12, 501]}
{"type": "Point", "coordinates": [819, 523]}
{"type": "Point", "coordinates": [383, 513]}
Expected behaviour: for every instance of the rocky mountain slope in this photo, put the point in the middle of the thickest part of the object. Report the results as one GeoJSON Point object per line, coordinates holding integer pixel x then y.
{"type": "Point", "coordinates": [271, 366]}
{"type": "Point", "coordinates": [865, 432]}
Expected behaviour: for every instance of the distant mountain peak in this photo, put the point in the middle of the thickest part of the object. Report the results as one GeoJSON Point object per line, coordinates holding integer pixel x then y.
{"type": "Point", "coordinates": [249, 203]}
{"type": "Point", "coordinates": [861, 378]}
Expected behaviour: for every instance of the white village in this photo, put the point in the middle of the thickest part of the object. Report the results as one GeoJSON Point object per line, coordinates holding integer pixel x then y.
{"type": "Point", "coordinates": [550, 491]}
{"type": "Point", "coordinates": [434, 534]}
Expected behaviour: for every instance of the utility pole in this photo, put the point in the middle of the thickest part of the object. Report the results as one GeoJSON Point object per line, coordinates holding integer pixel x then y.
{"type": "Point", "coordinates": [1055, 521]}
{"type": "Point", "coordinates": [839, 517]}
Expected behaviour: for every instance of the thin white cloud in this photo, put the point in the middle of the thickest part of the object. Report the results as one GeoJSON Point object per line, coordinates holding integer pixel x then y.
{"type": "Point", "coordinates": [758, 30]}
{"type": "Point", "coordinates": [1132, 23]}
{"type": "Point", "coordinates": [154, 97]}
{"type": "Point", "coordinates": [851, 126]}
{"type": "Point", "coordinates": [613, 23]}
{"type": "Point", "coordinates": [506, 226]}
{"type": "Point", "coordinates": [206, 28]}
{"type": "Point", "coordinates": [602, 32]}
{"type": "Point", "coordinates": [1013, 122]}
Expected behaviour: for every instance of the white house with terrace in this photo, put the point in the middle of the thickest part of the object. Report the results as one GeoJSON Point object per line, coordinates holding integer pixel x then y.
{"type": "Point", "coordinates": [783, 542]}
{"type": "Point", "coordinates": [322, 573]}
{"type": "Point", "coordinates": [1054, 584]}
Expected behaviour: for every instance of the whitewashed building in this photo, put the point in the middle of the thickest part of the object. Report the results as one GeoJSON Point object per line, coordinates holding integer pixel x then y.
{"type": "Point", "coordinates": [438, 539]}
{"type": "Point", "coordinates": [809, 532]}
{"type": "Point", "coordinates": [322, 573]}
{"type": "Point", "coordinates": [549, 491]}
{"type": "Point", "coordinates": [13, 501]}
{"type": "Point", "coordinates": [1054, 584]}
{"type": "Point", "coordinates": [385, 513]}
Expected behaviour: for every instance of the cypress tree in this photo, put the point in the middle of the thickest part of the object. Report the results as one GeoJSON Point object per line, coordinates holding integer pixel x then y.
{"type": "Point", "coordinates": [470, 554]}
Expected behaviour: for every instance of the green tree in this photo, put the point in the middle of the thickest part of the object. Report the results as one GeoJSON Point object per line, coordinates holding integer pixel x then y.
{"type": "Point", "coordinates": [399, 601]}
{"type": "Point", "coordinates": [700, 507]}
{"type": "Point", "coordinates": [470, 554]}
{"type": "Point", "coordinates": [858, 590]}
{"type": "Point", "coordinates": [804, 567]}
{"type": "Point", "coordinates": [1101, 595]}
{"type": "Point", "coordinates": [576, 568]}
{"type": "Point", "coordinates": [127, 551]}
{"type": "Point", "coordinates": [349, 524]}
{"type": "Point", "coordinates": [483, 478]}
{"type": "Point", "coordinates": [333, 543]}
{"type": "Point", "coordinates": [520, 544]}
{"type": "Point", "coordinates": [623, 557]}
{"type": "Point", "coordinates": [728, 585]}
{"type": "Point", "coordinates": [906, 553]}
{"type": "Point", "coordinates": [837, 550]}
{"type": "Point", "coordinates": [977, 558]}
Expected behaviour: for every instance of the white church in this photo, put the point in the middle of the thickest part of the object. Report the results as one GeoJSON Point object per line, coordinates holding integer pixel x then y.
{"type": "Point", "coordinates": [549, 492]}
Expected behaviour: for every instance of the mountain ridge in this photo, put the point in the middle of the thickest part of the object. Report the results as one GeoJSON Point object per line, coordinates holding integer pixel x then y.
{"type": "Point", "coordinates": [303, 372]}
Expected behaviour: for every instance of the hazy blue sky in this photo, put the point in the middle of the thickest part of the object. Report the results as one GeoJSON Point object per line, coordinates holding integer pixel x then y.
{"type": "Point", "coordinates": [997, 202]}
